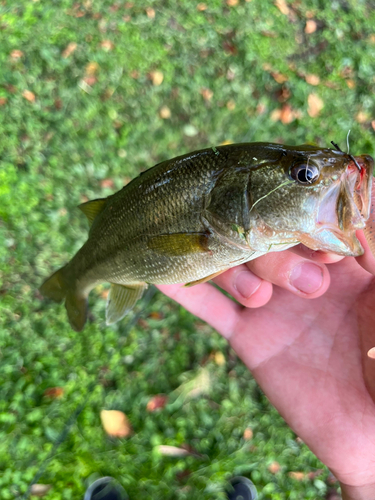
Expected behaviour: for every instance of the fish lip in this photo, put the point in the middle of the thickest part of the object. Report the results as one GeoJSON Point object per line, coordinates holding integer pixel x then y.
{"type": "Point", "coordinates": [344, 208]}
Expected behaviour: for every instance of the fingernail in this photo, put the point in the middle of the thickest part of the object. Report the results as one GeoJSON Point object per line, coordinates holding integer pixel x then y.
{"type": "Point", "coordinates": [246, 283]}
{"type": "Point", "coordinates": [306, 277]}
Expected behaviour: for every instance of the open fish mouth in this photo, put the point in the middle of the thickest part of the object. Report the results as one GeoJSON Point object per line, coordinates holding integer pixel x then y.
{"type": "Point", "coordinates": [343, 209]}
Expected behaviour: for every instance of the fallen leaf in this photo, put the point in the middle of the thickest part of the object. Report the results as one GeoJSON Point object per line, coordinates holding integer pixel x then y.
{"type": "Point", "coordinates": [201, 7]}
{"type": "Point", "coordinates": [286, 115]}
{"type": "Point", "coordinates": [107, 183]}
{"type": "Point", "coordinates": [91, 68]}
{"type": "Point", "coordinates": [298, 476]}
{"type": "Point", "coordinates": [371, 352]}
{"type": "Point", "coordinates": [115, 423]}
{"type": "Point", "coordinates": [206, 94]}
{"type": "Point", "coordinates": [350, 83]}
{"type": "Point", "coordinates": [279, 77]}
{"type": "Point", "coordinates": [219, 358]}
{"type": "Point", "coordinates": [90, 80]}
{"type": "Point", "coordinates": [171, 451]}
{"type": "Point", "coordinates": [156, 315]}
{"type": "Point", "coordinates": [54, 392]}
{"type": "Point", "coordinates": [39, 490]}
{"type": "Point", "coordinates": [232, 3]}
{"type": "Point", "coordinates": [362, 117]}
{"type": "Point", "coordinates": [310, 26]}
{"type": "Point", "coordinates": [126, 18]}
{"type": "Point", "coordinates": [282, 6]}
{"type": "Point", "coordinates": [157, 77]}
{"type": "Point", "coordinates": [312, 79]}
{"type": "Point", "coordinates": [150, 12]}
{"type": "Point", "coordinates": [315, 105]}
{"type": "Point", "coordinates": [134, 74]}
{"type": "Point", "coordinates": [165, 112]}
{"type": "Point", "coordinates": [107, 45]}
{"type": "Point", "coordinates": [231, 105]}
{"type": "Point", "coordinates": [28, 95]}
{"type": "Point", "coordinates": [3, 101]}
{"type": "Point", "coordinates": [248, 434]}
{"type": "Point", "coordinates": [157, 402]}
{"type": "Point", "coordinates": [274, 467]}
{"type": "Point", "coordinates": [69, 50]}
{"type": "Point", "coordinates": [16, 54]}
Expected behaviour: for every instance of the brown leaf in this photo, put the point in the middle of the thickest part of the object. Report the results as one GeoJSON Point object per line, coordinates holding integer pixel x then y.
{"type": "Point", "coordinates": [279, 77]}
{"type": "Point", "coordinates": [286, 115]}
{"type": "Point", "coordinates": [312, 79]}
{"type": "Point", "coordinates": [150, 12]}
{"type": "Point", "coordinates": [206, 94]}
{"type": "Point", "coordinates": [106, 183]}
{"type": "Point", "coordinates": [39, 490]}
{"type": "Point", "coordinates": [274, 467]}
{"type": "Point", "coordinates": [231, 105]}
{"type": "Point", "coordinates": [3, 101]}
{"type": "Point", "coordinates": [107, 45]}
{"type": "Point", "coordinates": [248, 434]}
{"type": "Point", "coordinates": [172, 451]}
{"type": "Point", "coordinates": [157, 402]}
{"type": "Point", "coordinates": [350, 83]}
{"type": "Point", "coordinates": [282, 6]}
{"type": "Point", "coordinates": [156, 315]}
{"type": "Point", "coordinates": [116, 423]}
{"type": "Point", "coordinates": [16, 54]}
{"type": "Point", "coordinates": [315, 105]}
{"type": "Point", "coordinates": [28, 95]}
{"type": "Point", "coordinates": [298, 476]}
{"type": "Point", "coordinates": [310, 26]}
{"type": "Point", "coordinates": [201, 7]}
{"type": "Point", "coordinates": [157, 77]}
{"type": "Point", "coordinates": [54, 392]}
{"type": "Point", "coordinates": [69, 50]}
{"type": "Point", "coordinates": [165, 112]}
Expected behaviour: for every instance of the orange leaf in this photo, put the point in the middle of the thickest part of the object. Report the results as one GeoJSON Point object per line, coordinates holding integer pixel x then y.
{"type": "Point", "coordinates": [248, 434]}
{"type": "Point", "coordinates": [274, 467]}
{"type": "Point", "coordinates": [315, 105]}
{"type": "Point", "coordinates": [107, 183]}
{"type": "Point", "coordinates": [3, 101]}
{"type": "Point", "coordinates": [310, 26]}
{"type": "Point", "coordinates": [157, 402]}
{"type": "Point", "coordinates": [282, 6]}
{"type": "Point", "coordinates": [150, 12]}
{"type": "Point", "coordinates": [115, 423]}
{"type": "Point", "coordinates": [69, 50]}
{"type": "Point", "coordinates": [16, 54]}
{"type": "Point", "coordinates": [206, 93]}
{"type": "Point", "coordinates": [298, 476]}
{"type": "Point", "coordinates": [28, 95]}
{"type": "Point", "coordinates": [91, 68]}
{"type": "Point", "coordinates": [54, 392]}
{"type": "Point", "coordinates": [279, 77]}
{"type": "Point", "coordinates": [232, 3]}
{"type": "Point", "coordinates": [201, 7]}
{"type": "Point", "coordinates": [312, 79]}
{"type": "Point", "coordinates": [165, 112]}
{"type": "Point", "coordinates": [286, 115]}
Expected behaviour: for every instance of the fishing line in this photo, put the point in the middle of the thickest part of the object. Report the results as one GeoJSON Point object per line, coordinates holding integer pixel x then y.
{"type": "Point", "coordinates": [273, 190]}
{"type": "Point", "coordinates": [74, 416]}
{"type": "Point", "coordinates": [347, 140]}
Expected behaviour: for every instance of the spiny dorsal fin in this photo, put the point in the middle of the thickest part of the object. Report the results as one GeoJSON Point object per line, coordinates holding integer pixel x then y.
{"type": "Point", "coordinates": [122, 299]}
{"type": "Point", "coordinates": [93, 208]}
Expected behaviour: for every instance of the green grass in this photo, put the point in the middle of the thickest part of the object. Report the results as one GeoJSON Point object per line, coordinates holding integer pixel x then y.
{"type": "Point", "coordinates": [57, 149]}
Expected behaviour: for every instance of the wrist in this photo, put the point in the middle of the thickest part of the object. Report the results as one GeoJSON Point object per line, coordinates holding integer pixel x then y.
{"type": "Point", "coordinates": [366, 492]}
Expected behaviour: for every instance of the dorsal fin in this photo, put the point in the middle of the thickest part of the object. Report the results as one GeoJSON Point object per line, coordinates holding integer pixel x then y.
{"type": "Point", "coordinates": [93, 208]}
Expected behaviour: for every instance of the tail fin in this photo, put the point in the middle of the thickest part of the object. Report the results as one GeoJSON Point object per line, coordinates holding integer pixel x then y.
{"type": "Point", "coordinates": [56, 288]}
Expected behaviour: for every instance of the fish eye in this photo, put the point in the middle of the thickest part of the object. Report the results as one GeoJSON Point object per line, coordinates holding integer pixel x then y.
{"type": "Point", "coordinates": [305, 173]}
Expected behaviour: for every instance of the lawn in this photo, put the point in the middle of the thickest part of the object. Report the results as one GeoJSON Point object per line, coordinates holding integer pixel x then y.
{"type": "Point", "coordinates": [91, 94]}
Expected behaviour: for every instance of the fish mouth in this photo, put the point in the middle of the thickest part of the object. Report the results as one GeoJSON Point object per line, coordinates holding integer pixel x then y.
{"type": "Point", "coordinates": [343, 209]}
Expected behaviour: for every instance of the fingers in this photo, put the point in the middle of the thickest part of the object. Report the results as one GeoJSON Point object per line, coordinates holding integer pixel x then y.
{"type": "Point", "coordinates": [208, 303]}
{"type": "Point", "coordinates": [250, 283]}
{"type": "Point", "coordinates": [367, 260]}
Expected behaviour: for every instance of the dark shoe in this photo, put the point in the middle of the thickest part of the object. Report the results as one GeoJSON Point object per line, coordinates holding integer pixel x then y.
{"type": "Point", "coordinates": [105, 488]}
{"type": "Point", "coordinates": [242, 489]}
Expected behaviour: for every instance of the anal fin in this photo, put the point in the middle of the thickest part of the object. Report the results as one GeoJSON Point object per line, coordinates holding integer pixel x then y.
{"type": "Point", "coordinates": [207, 278]}
{"type": "Point", "coordinates": [121, 300]}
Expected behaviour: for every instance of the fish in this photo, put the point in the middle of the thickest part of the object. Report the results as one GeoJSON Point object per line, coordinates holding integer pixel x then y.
{"type": "Point", "coordinates": [191, 218]}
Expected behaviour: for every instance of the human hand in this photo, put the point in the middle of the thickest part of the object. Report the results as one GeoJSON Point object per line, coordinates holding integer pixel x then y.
{"type": "Point", "coordinates": [309, 356]}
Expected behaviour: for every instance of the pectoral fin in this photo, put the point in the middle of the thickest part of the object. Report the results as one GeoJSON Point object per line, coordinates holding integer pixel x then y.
{"type": "Point", "coordinates": [179, 244]}
{"type": "Point", "coordinates": [93, 208]}
{"type": "Point", "coordinates": [121, 300]}
{"type": "Point", "coordinates": [203, 280]}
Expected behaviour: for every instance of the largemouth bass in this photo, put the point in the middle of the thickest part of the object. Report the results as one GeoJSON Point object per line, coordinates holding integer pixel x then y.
{"type": "Point", "coordinates": [193, 217]}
